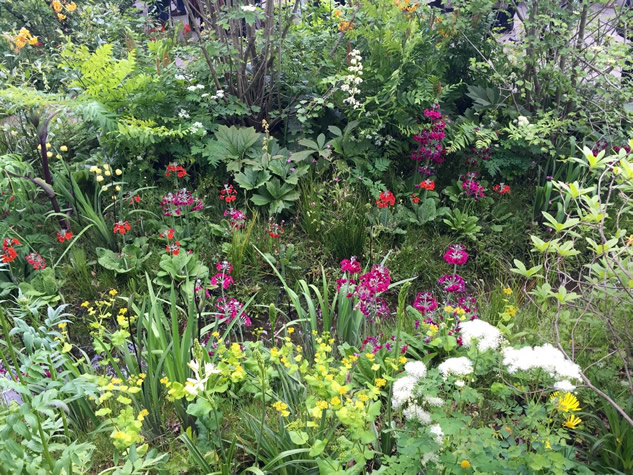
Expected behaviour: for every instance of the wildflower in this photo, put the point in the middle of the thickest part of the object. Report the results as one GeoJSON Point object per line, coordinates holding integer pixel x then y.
{"type": "Point", "coordinates": [545, 357]}
{"type": "Point", "coordinates": [49, 154]}
{"type": "Point", "coordinates": [572, 422]}
{"type": "Point", "coordinates": [64, 235]}
{"type": "Point", "coordinates": [489, 337]}
{"type": "Point", "coordinates": [427, 184]}
{"type": "Point", "coordinates": [436, 431]}
{"type": "Point", "coordinates": [121, 227]}
{"type": "Point", "coordinates": [434, 401]}
{"type": "Point", "coordinates": [456, 255]}
{"type": "Point", "coordinates": [281, 407]}
{"type": "Point", "coordinates": [452, 283]}
{"type": "Point", "coordinates": [402, 391]}
{"type": "Point", "coordinates": [415, 198]}
{"type": "Point", "coordinates": [37, 261]}
{"type": "Point", "coordinates": [134, 199]}
{"type": "Point", "coordinates": [385, 199]}
{"type": "Point", "coordinates": [456, 366]}
{"type": "Point", "coordinates": [224, 267]}
{"type": "Point", "coordinates": [275, 230]}
{"type": "Point", "coordinates": [416, 369]}
{"type": "Point", "coordinates": [222, 280]}
{"type": "Point", "coordinates": [507, 291]}
{"type": "Point", "coordinates": [350, 265]}
{"type": "Point", "coordinates": [173, 248]}
{"type": "Point", "coordinates": [100, 178]}
{"type": "Point", "coordinates": [380, 382]}
{"type": "Point", "coordinates": [178, 169]}
{"type": "Point", "coordinates": [56, 5]}
{"type": "Point", "coordinates": [291, 330]}
{"type": "Point", "coordinates": [23, 38]}
{"type": "Point", "coordinates": [61, 16]}
{"type": "Point", "coordinates": [228, 193]}
{"type": "Point", "coordinates": [464, 464]}
{"type": "Point", "coordinates": [237, 218]}
{"type": "Point", "coordinates": [416, 413]}
{"type": "Point", "coordinates": [231, 309]}
{"type": "Point", "coordinates": [501, 188]}
{"type": "Point", "coordinates": [472, 187]}
{"type": "Point", "coordinates": [566, 403]}
{"type": "Point", "coordinates": [564, 385]}
{"type": "Point", "coordinates": [425, 303]}
{"type": "Point", "coordinates": [118, 172]}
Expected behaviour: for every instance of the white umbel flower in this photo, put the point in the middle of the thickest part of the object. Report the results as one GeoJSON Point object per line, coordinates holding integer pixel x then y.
{"type": "Point", "coordinates": [488, 337]}
{"type": "Point", "coordinates": [456, 366]}
{"type": "Point", "coordinates": [565, 385]}
{"type": "Point", "coordinates": [417, 369]}
{"type": "Point", "coordinates": [546, 357]}
{"type": "Point", "coordinates": [414, 412]}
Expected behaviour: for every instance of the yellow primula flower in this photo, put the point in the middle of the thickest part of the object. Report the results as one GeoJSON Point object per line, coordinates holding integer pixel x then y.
{"type": "Point", "coordinates": [507, 291]}
{"type": "Point", "coordinates": [291, 330]}
{"type": "Point", "coordinates": [335, 401]}
{"type": "Point", "coordinates": [375, 367]}
{"type": "Point", "coordinates": [143, 414]}
{"type": "Point", "coordinates": [370, 356]}
{"type": "Point", "coordinates": [113, 292]}
{"type": "Point", "coordinates": [62, 325]}
{"type": "Point", "coordinates": [380, 382]}
{"type": "Point", "coordinates": [322, 404]}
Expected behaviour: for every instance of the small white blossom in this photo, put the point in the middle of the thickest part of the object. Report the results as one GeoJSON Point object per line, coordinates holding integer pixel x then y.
{"type": "Point", "coordinates": [488, 337]}
{"type": "Point", "coordinates": [546, 357]}
{"type": "Point", "coordinates": [456, 366]}
{"type": "Point", "coordinates": [183, 114]}
{"type": "Point", "coordinates": [436, 430]}
{"type": "Point", "coordinates": [249, 8]}
{"type": "Point", "coordinates": [523, 121]}
{"type": "Point", "coordinates": [416, 413]}
{"type": "Point", "coordinates": [434, 401]}
{"type": "Point", "coordinates": [565, 385]}
{"type": "Point", "coordinates": [192, 88]}
{"type": "Point", "coordinates": [179, 77]}
{"type": "Point", "coordinates": [416, 369]}
{"type": "Point", "coordinates": [200, 86]}
{"type": "Point", "coordinates": [402, 391]}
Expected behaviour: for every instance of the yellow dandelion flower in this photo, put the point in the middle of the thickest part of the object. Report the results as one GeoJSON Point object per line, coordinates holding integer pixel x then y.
{"type": "Point", "coordinates": [568, 403]}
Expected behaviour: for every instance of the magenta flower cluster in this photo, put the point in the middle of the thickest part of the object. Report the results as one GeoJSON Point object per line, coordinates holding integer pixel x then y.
{"type": "Point", "coordinates": [471, 186]}
{"type": "Point", "coordinates": [175, 204]}
{"type": "Point", "coordinates": [456, 255]}
{"type": "Point", "coordinates": [230, 309]}
{"type": "Point", "coordinates": [430, 140]}
{"type": "Point", "coordinates": [237, 218]}
{"type": "Point", "coordinates": [367, 288]}
{"type": "Point", "coordinates": [425, 302]}
{"type": "Point", "coordinates": [222, 278]}
{"type": "Point", "coordinates": [452, 283]}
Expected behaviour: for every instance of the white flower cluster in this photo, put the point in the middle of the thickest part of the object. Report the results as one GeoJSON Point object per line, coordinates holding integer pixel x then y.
{"type": "Point", "coordinates": [415, 412]}
{"type": "Point", "coordinates": [417, 369]}
{"type": "Point", "coordinates": [197, 385]}
{"type": "Point", "coordinates": [352, 80]}
{"type": "Point", "coordinates": [198, 127]}
{"type": "Point", "coordinates": [546, 357]}
{"type": "Point", "coordinates": [456, 366]}
{"type": "Point", "coordinates": [249, 8]}
{"type": "Point", "coordinates": [437, 432]}
{"type": "Point", "coordinates": [488, 337]}
{"type": "Point", "coordinates": [195, 88]}
{"type": "Point", "coordinates": [183, 114]}
{"type": "Point", "coordinates": [219, 94]}
{"type": "Point", "coordinates": [403, 391]}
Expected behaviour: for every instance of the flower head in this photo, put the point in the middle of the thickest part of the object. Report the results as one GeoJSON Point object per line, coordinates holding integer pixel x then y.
{"type": "Point", "coordinates": [121, 227]}
{"type": "Point", "coordinates": [385, 199]}
{"type": "Point", "coordinates": [456, 254]}
{"type": "Point", "coordinates": [36, 261]}
{"type": "Point", "coordinates": [64, 235]}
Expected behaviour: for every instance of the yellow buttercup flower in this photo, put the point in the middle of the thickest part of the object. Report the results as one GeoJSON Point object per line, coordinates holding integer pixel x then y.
{"type": "Point", "coordinates": [465, 464]}
{"type": "Point", "coordinates": [572, 422]}
{"type": "Point", "coordinates": [113, 292]}
{"type": "Point", "coordinates": [291, 330]}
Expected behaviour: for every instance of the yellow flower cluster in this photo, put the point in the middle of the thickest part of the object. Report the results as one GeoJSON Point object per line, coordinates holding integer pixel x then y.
{"type": "Point", "coordinates": [105, 171]}
{"type": "Point", "coordinates": [407, 6]}
{"type": "Point", "coordinates": [23, 38]}
{"type": "Point", "coordinates": [63, 5]}
{"type": "Point", "coordinates": [282, 408]}
{"type": "Point", "coordinates": [567, 403]}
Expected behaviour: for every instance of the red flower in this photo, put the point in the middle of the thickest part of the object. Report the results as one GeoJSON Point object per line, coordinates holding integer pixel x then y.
{"type": "Point", "coordinates": [386, 199]}
{"type": "Point", "coordinates": [275, 230]}
{"type": "Point", "coordinates": [167, 234]}
{"type": "Point", "coordinates": [228, 194]}
{"type": "Point", "coordinates": [37, 261]}
{"type": "Point", "coordinates": [173, 248]}
{"type": "Point", "coordinates": [427, 185]}
{"type": "Point", "coordinates": [174, 167]}
{"type": "Point", "coordinates": [9, 255]}
{"type": "Point", "coordinates": [121, 227]}
{"type": "Point", "coordinates": [10, 242]}
{"type": "Point", "coordinates": [64, 235]}
{"type": "Point", "coordinates": [501, 188]}
{"type": "Point", "coordinates": [186, 29]}
{"type": "Point", "coordinates": [134, 199]}
{"type": "Point", "coordinates": [415, 198]}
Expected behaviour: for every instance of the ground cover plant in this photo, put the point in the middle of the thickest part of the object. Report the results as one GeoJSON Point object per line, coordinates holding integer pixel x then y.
{"type": "Point", "coordinates": [387, 237]}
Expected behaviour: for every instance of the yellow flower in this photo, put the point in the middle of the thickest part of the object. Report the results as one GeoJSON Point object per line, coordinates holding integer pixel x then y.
{"type": "Point", "coordinates": [117, 188]}
{"type": "Point", "coordinates": [572, 422]}
{"type": "Point", "coordinates": [380, 382]}
{"type": "Point", "coordinates": [48, 146]}
{"type": "Point", "coordinates": [49, 154]}
{"type": "Point", "coordinates": [322, 404]}
{"type": "Point", "coordinates": [402, 360]}
{"type": "Point", "coordinates": [568, 403]}
{"type": "Point", "coordinates": [118, 172]}
{"type": "Point", "coordinates": [143, 414]}
{"type": "Point", "coordinates": [85, 304]}
{"type": "Point", "coordinates": [57, 6]}
{"type": "Point", "coordinates": [291, 330]}
{"type": "Point", "coordinates": [61, 16]}
{"type": "Point", "coordinates": [113, 292]}
{"type": "Point", "coordinates": [507, 291]}
{"type": "Point", "coordinates": [71, 7]}
{"type": "Point", "coordinates": [370, 356]}
{"type": "Point", "coordinates": [58, 156]}
{"type": "Point", "coordinates": [335, 401]}
{"type": "Point", "coordinates": [465, 464]}
{"type": "Point", "coordinates": [62, 325]}
{"type": "Point", "coordinates": [375, 367]}
{"type": "Point", "coordinates": [107, 173]}
{"type": "Point", "coordinates": [63, 148]}
{"type": "Point", "coordinates": [99, 178]}
{"type": "Point", "coordinates": [165, 381]}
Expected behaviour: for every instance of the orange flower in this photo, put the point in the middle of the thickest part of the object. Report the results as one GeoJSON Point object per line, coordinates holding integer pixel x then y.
{"type": "Point", "coordinates": [56, 5]}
